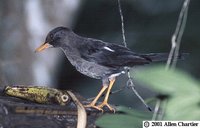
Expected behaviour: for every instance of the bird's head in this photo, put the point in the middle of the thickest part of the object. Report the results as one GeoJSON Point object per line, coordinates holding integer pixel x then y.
{"type": "Point", "coordinates": [56, 38]}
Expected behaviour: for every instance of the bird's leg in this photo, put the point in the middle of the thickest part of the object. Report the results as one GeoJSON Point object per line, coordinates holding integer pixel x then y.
{"type": "Point", "coordinates": [105, 102]}
{"type": "Point", "coordinates": [92, 104]}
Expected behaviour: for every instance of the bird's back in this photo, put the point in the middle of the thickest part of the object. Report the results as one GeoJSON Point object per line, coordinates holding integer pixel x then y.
{"type": "Point", "coordinates": [109, 54]}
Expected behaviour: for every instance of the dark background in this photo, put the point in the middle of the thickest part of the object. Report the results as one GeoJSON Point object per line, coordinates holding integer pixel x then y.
{"type": "Point", "coordinates": [149, 26]}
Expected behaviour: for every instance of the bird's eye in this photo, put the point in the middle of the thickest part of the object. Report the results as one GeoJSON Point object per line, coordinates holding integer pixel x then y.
{"type": "Point", "coordinates": [51, 35]}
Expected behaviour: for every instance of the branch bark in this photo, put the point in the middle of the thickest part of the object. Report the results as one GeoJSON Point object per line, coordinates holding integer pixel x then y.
{"type": "Point", "coordinates": [15, 112]}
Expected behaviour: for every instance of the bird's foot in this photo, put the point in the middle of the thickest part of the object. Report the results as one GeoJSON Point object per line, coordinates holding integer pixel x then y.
{"type": "Point", "coordinates": [105, 103]}
{"type": "Point", "coordinates": [93, 106]}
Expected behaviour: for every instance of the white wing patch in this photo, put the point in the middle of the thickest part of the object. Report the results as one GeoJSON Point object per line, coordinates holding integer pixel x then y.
{"type": "Point", "coordinates": [109, 49]}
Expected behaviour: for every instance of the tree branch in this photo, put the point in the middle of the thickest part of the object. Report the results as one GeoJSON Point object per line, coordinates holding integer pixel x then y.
{"type": "Point", "coordinates": [15, 112]}
{"type": "Point", "coordinates": [176, 37]}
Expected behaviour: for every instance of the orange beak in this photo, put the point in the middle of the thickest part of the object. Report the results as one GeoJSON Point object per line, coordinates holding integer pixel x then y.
{"type": "Point", "coordinates": [43, 47]}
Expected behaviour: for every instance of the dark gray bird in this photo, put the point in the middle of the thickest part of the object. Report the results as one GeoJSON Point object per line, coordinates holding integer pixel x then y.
{"type": "Point", "coordinates": [97, 59]}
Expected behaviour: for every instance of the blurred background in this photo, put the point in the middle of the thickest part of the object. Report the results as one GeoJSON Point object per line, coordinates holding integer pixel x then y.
{"type": "Point", "coordinates": [149, 26]}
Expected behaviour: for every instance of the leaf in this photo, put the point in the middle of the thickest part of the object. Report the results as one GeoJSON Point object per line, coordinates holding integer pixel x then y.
{"type": "Point", "coordinates": [118, 121]}
{"type": "Point", "coordinates": [140, 114]}
{"type": "Point", "coordinates": [183, 89]}
{"type": "Point", "coordinates": [183, 108]}
{"type": "Point", "coordinates": [168, 82]}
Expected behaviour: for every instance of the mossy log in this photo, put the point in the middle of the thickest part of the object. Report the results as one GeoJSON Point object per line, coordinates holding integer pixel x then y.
{"type": "Point", "coordinates": [19, 113]}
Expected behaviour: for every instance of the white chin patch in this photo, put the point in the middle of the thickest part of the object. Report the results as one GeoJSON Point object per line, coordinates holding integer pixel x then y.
{"type": "Point", "coordinates": [109, 49]}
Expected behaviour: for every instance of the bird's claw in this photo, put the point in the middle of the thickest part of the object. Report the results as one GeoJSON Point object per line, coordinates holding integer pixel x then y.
{"type": "Point", "coordinates": [106, 104]}
{"type": "Point", "coordinates": [93, 106]}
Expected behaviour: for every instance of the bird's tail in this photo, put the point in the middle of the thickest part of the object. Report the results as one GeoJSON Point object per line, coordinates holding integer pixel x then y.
{"type": "Point", "coordinates": [155, 57]}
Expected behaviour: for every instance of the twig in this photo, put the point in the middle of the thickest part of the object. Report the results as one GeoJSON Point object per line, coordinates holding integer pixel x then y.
{"type": "Point", "coordinates": [170, 57]}
{"type": "Point", "coordinates": [122, 23]}
{"type": "Point", "coordinates": [130, 81]}
{"type": "Point", "coordinates": [132, 86]}
{"type": "Point", "coordinates": [183, 16]}
{"type": "Point", "coordinates": [162, 112]}
{"type": "Point", "coordinates": [159, 110]}
{"type": "Point", "coordinates": [176, 37]}
{"type": "Point", "coordinates": [82, 116]}
{"type": "Point", "coordinates": [174, 53]}
{"type": "Point", "coordinates": [156, 109]}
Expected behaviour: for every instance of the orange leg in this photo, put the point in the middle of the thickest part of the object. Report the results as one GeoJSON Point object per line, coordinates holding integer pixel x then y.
{"type": "Point", "coordinates": [105, 102]}
{"type": "Point", "coordinates": [92, 104]}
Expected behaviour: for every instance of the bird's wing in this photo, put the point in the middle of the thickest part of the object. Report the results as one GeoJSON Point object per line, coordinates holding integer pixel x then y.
{"type": "Point", "coordinates": [108, 54]}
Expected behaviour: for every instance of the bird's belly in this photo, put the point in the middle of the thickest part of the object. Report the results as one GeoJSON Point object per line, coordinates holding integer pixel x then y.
{"type": "Point", "coordinates": [92, 69]}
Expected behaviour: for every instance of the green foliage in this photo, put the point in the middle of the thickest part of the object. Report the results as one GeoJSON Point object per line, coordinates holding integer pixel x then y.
{"type": "Point", "coordinates": [183, 102]}
{"type": "Point", "coordinates": [128, 119]}
{"type": "Point", "coordinates": [168, 82]}
{"type": "Point", "coordinates": [184, 91]}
